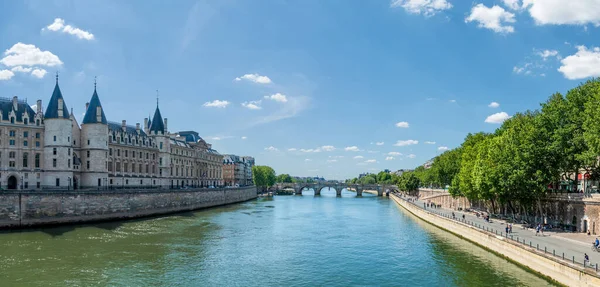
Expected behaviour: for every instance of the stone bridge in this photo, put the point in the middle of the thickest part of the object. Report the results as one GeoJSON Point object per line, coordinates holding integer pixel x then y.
{"type": "Point", "coordinates": [380, 189]}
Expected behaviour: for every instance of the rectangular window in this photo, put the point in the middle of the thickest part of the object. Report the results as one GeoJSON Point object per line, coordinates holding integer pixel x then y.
{"type": "Point", "coordinates": [11, 163]}
{"type": "Point", "coordinates": [118, 152]}
{"type": "Point", "coordinates": [88, 164]}
{"type": "Point", "coordinates": [88, 153]}
{"type": "Point", "coordinates": [25, 143]}
{"type": "Point", "coordinates": [110, 151]}
{"type": "Point", "coordinates": [53, 162]}
{"type": "Point", "coordinates": [11, 154]}
{"type": "Point", "coordinates": [68, 151]}
{"type": "Point", "coordinates": [37, 184]}
{"type": "Point", "coordinates": [111, 181]}
{"type": "Point", "coordinates": [25, 134]}
{"type": "Point", "coordinates": [69, 163]}
{"type": "Point", "coordinates": [25, 160]}
{"type": "Point", "coordinates": [55, 140]}
{"type": "Point", "coordinates": [133, 154]}
{"type": "Point", "coordinates": [11, 142]}
{"type": "Point", "coordinates": [37, 160]}
{"type": "Point", "coordinates": [88, 142]}
{"type": "Point", "coordinates": [37, 135]}
{"type": "Point", "coordinates": [26, 183]}
{"type": "Point", "coordinates": [37, 144]}
{"type": "Point", "coordinates": [161, 145]}
{"type": "Point", "coordinates": [54, 151]}
{"type": "Point", "coordinates": [126, 153]}
{"type": "Point", "coordinates": [12, 133]}
{"type": "Point", "coordinates": [58, 182]}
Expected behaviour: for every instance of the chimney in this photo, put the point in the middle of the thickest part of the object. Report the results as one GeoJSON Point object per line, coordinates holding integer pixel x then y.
{"type": "Point", "coordinates": [15, 101]}
{"type": "Point", "coordinates": [137, 127]}
{"type": "Point", "coordinates": [124, 125]}
{"type": "Point", "coordinates": [98, 114]}
{"type": "Point", "coordinates": [60, 107]}
{"type": "Point", "coordinates": [165, 125]}
{"type": "Point", "coordinates": [145, 124]}
{"type": "Point", "coordinates": [87, 105]}
{"type": "Point", "coordinates": [38, 105]}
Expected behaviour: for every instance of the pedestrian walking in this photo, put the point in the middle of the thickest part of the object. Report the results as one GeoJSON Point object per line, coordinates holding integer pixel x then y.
{"type": "Point", "coordinates": [510, 228]}
{"type": "Point", "coordinates": [537, 230]}
{"type": "Point", "coordinates": [463, 217]}
{"type": "Point", "coordinates": [506, 228]}
{"type": "Point", "coordinates": [586, 258]}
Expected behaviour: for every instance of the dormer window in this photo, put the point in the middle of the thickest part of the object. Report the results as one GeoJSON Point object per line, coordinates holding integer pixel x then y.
{"type": "Point", "coordinates": [26, 121]}
{"type": "Point", "coordinates": [12, 120]}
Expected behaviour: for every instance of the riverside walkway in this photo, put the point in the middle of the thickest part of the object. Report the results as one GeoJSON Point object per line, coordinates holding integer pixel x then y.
{"type": "Point", "coordinates": [552, 243]}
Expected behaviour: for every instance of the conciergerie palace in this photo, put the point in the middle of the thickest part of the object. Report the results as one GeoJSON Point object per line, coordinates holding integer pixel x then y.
{"type": "Point", "coordinates": [51, 150]}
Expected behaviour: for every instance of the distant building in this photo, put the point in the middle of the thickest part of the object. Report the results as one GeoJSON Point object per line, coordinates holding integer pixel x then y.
{"type": "Point", "coordinates": [237, 170]}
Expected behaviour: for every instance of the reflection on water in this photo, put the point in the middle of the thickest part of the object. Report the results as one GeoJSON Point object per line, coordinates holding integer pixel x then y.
{"type": "Point", "coordinates": [286, 241]}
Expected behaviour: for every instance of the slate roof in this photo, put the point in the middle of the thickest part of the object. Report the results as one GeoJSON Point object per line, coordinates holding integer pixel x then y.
{"type": "Point", "coordinates": [92, 111]}
{"type": "Point", "coordinates": [157, 122]}
{"type": "Point", "coordinates": [190, 136]}
{"type": "Point", "coordinates": [6, 106]}
{"type": "Point", "coordinates": [114, 126]}
{"type": "Point", "coordinates": [178, 142]}
{"type": "Point", "coordinates": [52, 109]}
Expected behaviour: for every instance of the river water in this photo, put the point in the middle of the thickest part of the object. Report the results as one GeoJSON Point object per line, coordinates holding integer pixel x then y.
{"type": "Point", "coordinates": [282, 241]}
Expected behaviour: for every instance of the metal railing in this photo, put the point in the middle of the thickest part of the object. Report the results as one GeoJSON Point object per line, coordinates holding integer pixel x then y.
{"type": "Point", "coordinates": [521, 242]}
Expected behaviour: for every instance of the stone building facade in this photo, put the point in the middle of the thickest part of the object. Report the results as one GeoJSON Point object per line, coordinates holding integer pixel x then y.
{"type": "Point", "coordinates": [51, 150]}
{"type": "Point", "coordinates": [237, 170]}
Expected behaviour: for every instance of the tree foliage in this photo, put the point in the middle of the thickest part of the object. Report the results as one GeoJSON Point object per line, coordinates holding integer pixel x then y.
{"type": "Point", "coordinates": [263, 176]}
{"type": "Point", "coordinates": [284, 178]}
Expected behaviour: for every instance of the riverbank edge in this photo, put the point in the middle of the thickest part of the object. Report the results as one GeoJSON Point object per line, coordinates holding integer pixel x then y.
{"type": "Point", "coordinates": [566, 275]}
{"type": "Point", "coordinates": [45, 209]}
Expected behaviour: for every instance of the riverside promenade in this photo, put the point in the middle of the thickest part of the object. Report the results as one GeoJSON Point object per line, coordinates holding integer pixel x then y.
{"type": "Point", "coordinates": [552, 255]}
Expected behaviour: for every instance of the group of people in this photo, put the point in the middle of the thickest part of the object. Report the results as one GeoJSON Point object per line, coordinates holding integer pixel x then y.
{"type": "Point", "coordinates": [508, 228]}
{"type": "Point", "coordinates": [539, 228]}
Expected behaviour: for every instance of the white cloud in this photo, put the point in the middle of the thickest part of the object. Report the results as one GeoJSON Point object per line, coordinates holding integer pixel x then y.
{"type": "Point", "coordinates": [216, 104]}
{"type": "Point", "coordinates": [452, 101]}
{"type": "Point", "coordinates": [545, 54]}
{"type": "Point", "coordinates": [564, 12]}
{"type": "Point", "coordinates": [29, 55]}
{"type": "Point", "coordinates": [6, 75]}
{"type": "Point", "coordinates": [443, 148]}
{"type": "Point", "coordinates": [402, 124]}
{"type": "Point", "coordinates": [310, 150]}
{"type": "Point", "coordinates": [411, 156]}
{"type": "Point", "coordinates": [525, 69]}
{"type": "Point", "coordinates": [244, 137]}
{"type": "Point", "coordinates": [332, 160]}
{"type": "Point", "coordinates": [38, 73]}
{"type": "Point", "coordinates": [358, 157]}
{"type": "Point", "coordinates": [425, 7]}
{"type": "Point", "coordinates": [292, 149]}
{"type": "Point", "coordinates": [497, 118]}
{"type": "Point", "coordinates": [21, 69]}
{"type": "Point", "coordinates": [256, 78]}
{"type": "Point", "coordinates": [328, 148]}
{"type": "Point", "coordinates": [351, 148]}
{"type": "Point", "coordinates": [372, 151]}
{"type": "Point", "coordinates": [215, 138]}
{"type": "Point", "coordinates": [494, 105]}
{"type": "Point", "coordinates": [307, 159]}
{"type": "Point", "coordinates": [394, 153]}
{"type": "Point", "coordinates": [429, 142]}
{"type": "Point", "coordinates": [585, 63]}
{"type": "Point", "coordinates": [59, 25]}
{"type": "Point", "coordinates": [271, 148]}
{"type": "Point", "coordinates": [389, 158]}
{"type": "Point", "coordinates": [379, 143]}
{"type": "Point", "coordinates": [252, 105]}
{"type": "Point", "coordinates": [512, 4]}
{"type": "Point", "coordinates": [290, 109]}
{"type": "Point", "coordinates": [494, 18]}
{"type": "Point", "coordinates": [277, 97]}
{"type": "Point", "coordinates": [336, 156]}
{"type": "Point", "coordinates": [370, 161]}
{"type": "Point", "coordinates": [406, 142]}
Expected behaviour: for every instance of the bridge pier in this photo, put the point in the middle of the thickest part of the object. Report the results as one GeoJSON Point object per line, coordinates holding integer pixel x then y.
{"type": "Point", "coordinates": [338, 191]}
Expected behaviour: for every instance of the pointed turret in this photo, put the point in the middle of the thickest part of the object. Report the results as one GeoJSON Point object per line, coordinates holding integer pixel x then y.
{"type": "Point", "coordinates": [56, 107]}
{"type": "Point", "coordinates": [157, 124]}
{"type": "Point", "coordinates": [95, 112]}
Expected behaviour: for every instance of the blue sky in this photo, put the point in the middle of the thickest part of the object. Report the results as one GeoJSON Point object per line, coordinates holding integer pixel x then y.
{"type": "Point", "coordinates": [331, 88]}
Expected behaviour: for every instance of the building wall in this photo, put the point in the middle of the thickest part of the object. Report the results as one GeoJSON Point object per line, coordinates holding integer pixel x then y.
{"type": "Point", "coordinates": [57, 148]}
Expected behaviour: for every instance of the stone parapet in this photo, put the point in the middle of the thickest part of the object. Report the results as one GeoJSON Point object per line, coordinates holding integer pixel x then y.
{"type": "Point", "coordinates": [21, 209]}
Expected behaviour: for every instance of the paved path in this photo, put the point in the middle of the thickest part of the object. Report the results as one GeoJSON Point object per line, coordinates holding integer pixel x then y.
{"type": "Point", "coordinates": [559, 243]}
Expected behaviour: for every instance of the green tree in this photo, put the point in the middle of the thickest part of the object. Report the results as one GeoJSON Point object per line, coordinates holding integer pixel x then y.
{"type": "Point", "coordinates": [368, 180]}
{"type": "Point", "coordinates": [383, 177]}
{"type": "Point", "coordinates": [284, 178]}
{"type": "Point", "coordinates": [263, 176]}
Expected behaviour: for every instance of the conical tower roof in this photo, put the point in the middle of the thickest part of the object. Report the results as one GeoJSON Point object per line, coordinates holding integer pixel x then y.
{"type": "Point", "coordinates": [91, 115]}
{"type": "Point", "coordinates": [52, 111]}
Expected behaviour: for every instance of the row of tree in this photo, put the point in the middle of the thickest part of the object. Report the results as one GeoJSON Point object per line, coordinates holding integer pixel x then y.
{"type": "Point", "coordinates": [263, 176]}
{"type": "Point", "coordinates": [407, 181]}
{"type": "Point", "coordinates": [531, 154]}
